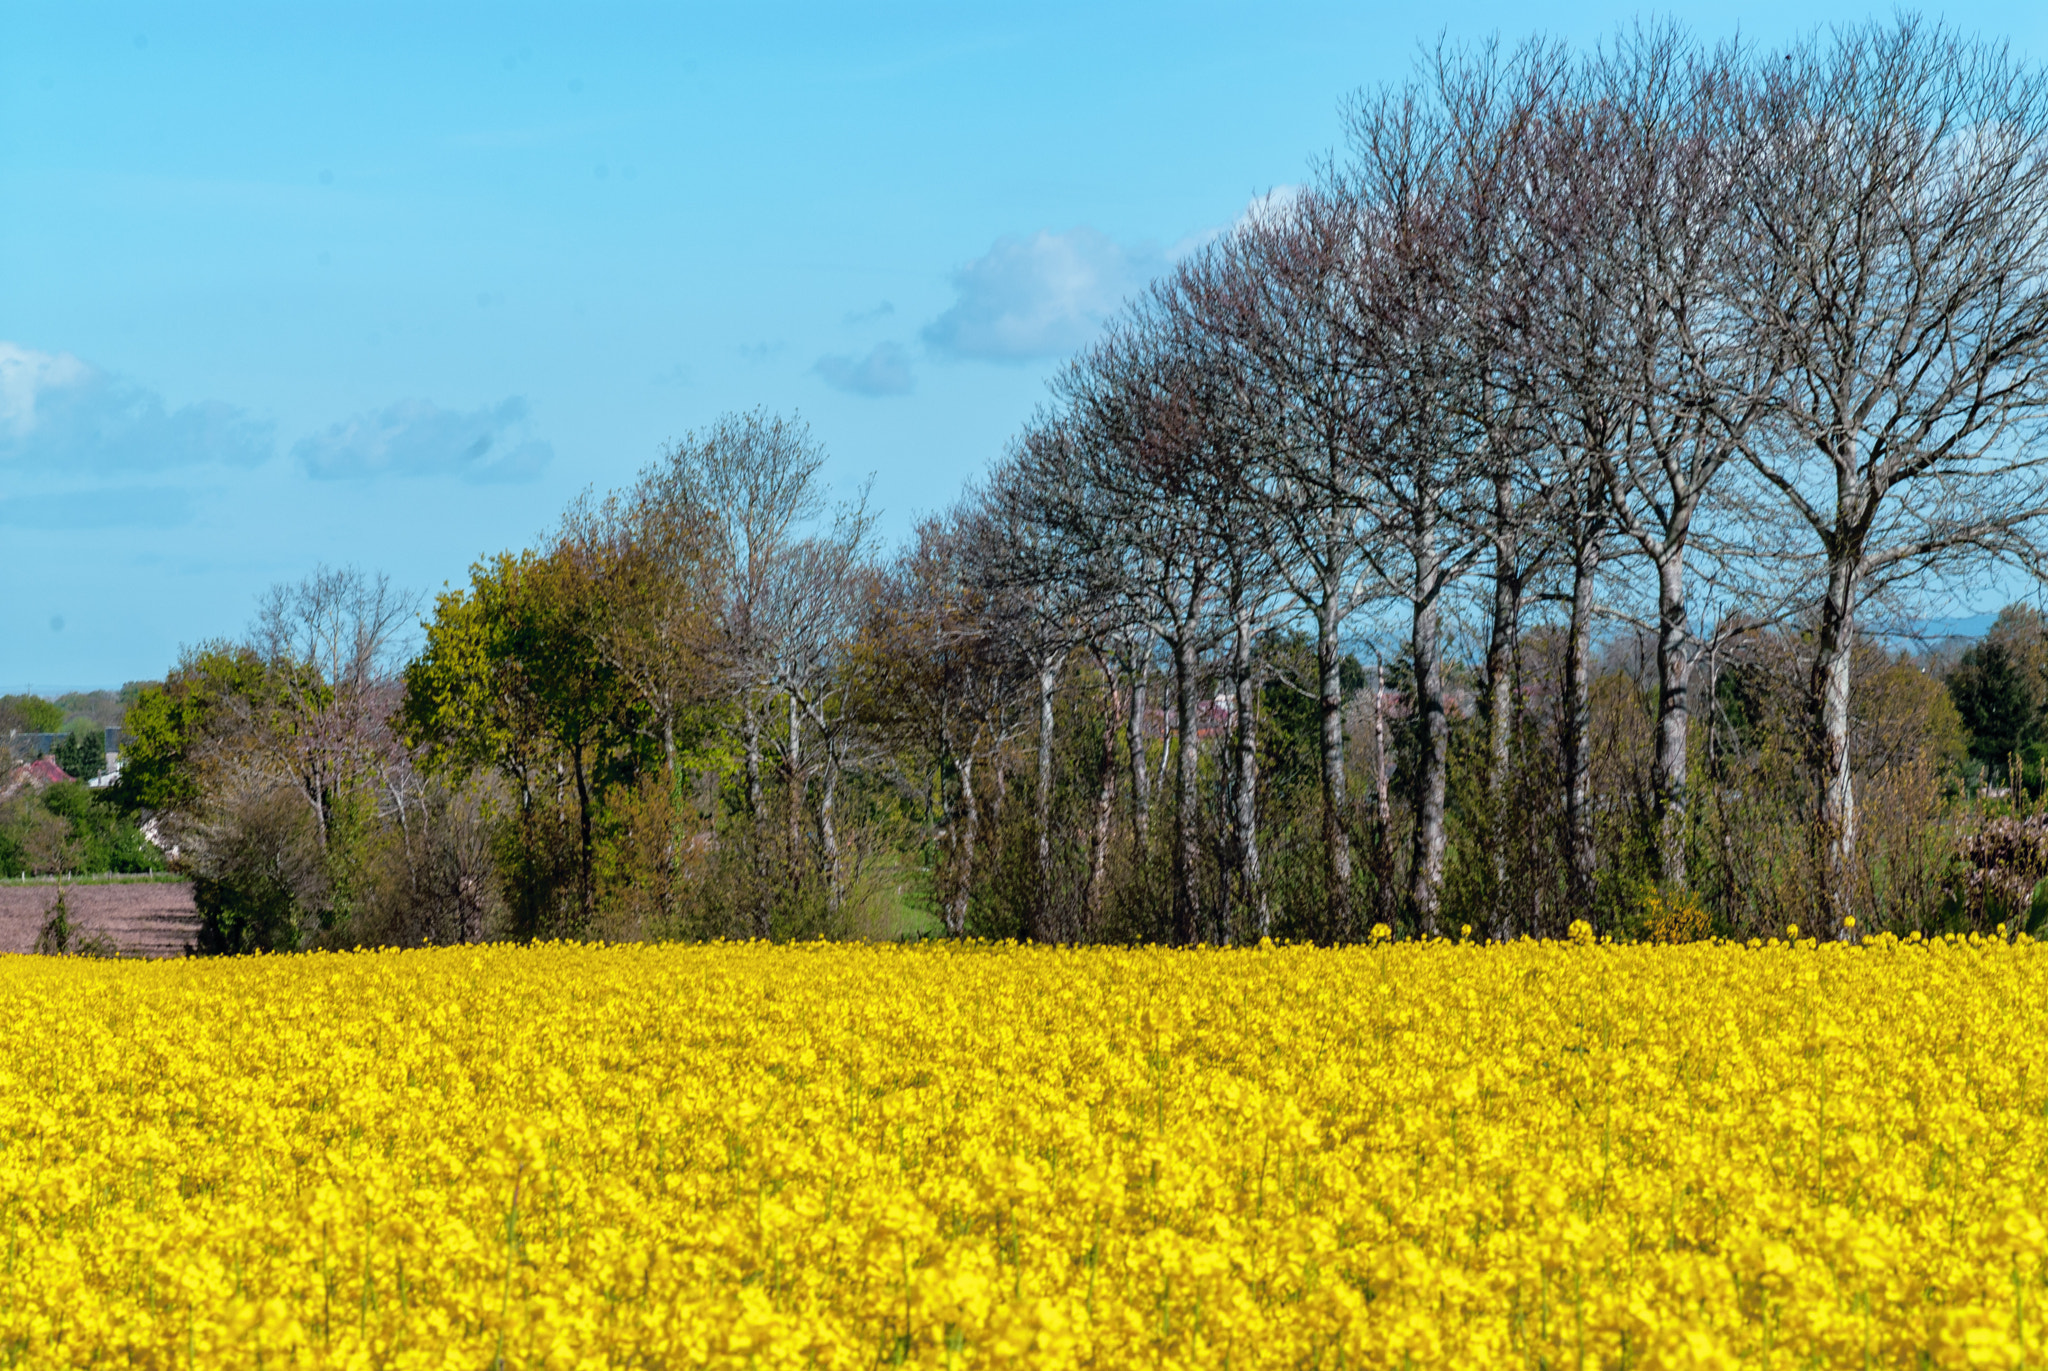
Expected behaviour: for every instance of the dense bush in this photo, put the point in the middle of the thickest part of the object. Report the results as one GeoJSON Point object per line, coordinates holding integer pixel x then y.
{"type": "Point", "coordinates": [68, 827]}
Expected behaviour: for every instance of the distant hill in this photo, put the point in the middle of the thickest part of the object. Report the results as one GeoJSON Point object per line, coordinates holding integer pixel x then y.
{"type": "Point", "coordinates": [85, 710]}
{"type": "Point", "coordinates": [1936, 632]}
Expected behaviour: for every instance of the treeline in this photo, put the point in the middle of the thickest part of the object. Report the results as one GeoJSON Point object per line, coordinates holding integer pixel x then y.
{"type": "Point", "coordinates": [1486, 538]}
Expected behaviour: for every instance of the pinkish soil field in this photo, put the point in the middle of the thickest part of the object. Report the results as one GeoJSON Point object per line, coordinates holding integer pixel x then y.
{"type": "Point", "coordinates": [144, 918]}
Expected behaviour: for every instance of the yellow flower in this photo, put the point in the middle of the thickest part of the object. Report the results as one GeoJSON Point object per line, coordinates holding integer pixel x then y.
{"type": "Point", "coordinates": [967, 1155]}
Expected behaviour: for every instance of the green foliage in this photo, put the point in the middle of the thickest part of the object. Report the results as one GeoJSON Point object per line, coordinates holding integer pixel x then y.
{"type": "Point", "coordinates": [246, 909]}
{"type": "Point", "coordinates": [2000, 690]}
{"type": "Point", "coordinates": [511, 680]}
{"type": "Point", "coordinates": [1290, 728]}
{"type": "Point", "coordinates": [1996, 701]}
{"type": "Point", "coordinates": [29, 714]}
{"type": "Point", "coordinates": [166, 724]}
{"type": "Point", "coordinates": [71, 828]}
{"type": "Point", "coordinates": [83, 756]}
{"type": "Point", "coordinates": [33, 841]}
{"type": "Point", "coordinates": [261, 887]}
{"type": "Point", "coordinates": [108, 839]}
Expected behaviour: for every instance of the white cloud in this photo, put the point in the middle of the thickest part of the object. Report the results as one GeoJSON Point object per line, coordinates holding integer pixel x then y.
{"type": "Point", "coordinates": [26, 374]}
{"type": "Point", "coordinates": [61, 412]}
{"type": "Point", "coordinates": [419, 438]}
{"type": "Point", "coordinates": [884, 371]}
{"type": "Point", "coordinates": [1039, 296]}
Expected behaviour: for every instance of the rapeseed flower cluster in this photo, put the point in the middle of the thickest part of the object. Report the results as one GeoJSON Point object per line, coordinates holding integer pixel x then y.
{"type": "Point", "coordinates": [1538, 1154]}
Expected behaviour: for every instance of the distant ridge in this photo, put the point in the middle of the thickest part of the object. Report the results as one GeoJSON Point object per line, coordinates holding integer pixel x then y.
{"type": "Point", "coordinates": [1911, 631]}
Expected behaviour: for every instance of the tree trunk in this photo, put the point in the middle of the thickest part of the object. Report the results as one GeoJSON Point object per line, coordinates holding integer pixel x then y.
{"type": "Point", "coordinates": [412, 868]}
{"type": "Point", "coordinates": [1141, 782]}
{"type": "Point", "coordinates": [1837, 816]}
{"type": "Point", "coordinates": [1383, 809]}
{"type": "Point", "coordinates": [750, 732]}
{"type": "Point", "coordinates": [1251, 876]}
{"type": "Point", "coordinates": [794, 808]}
{"type": "Point", "coordinates": [1500, 678]}
{"type": "Point", "coordinates": [1578, 716]}
{"type": "Point", "coordinates": [1186, 912]}
{"type": "Point", "coordinates": [1330, 718]}
{"type": "Point", "coordinates": [1040, 904]}
{"type": "Point", "coordinates": [963, 849]}
{"type": "Point", "coordinates": [675, 801]}
{"type": "Point", "coordinates": [828, 835]}
{"type": "Point", "coordinates": [1668, 769]}
{"type": "Point", "coordinates": [1105, 800]}
{"type": "Point", "coordinates": [583, 826]}
{"type": "Point", "coordinates": [1384, 898]}
{"type": "Point", "coordinates": [1426, 866]}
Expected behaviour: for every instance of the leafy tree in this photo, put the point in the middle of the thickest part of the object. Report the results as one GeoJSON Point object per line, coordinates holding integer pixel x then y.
{"type": "Point", "coordinates": [83, 755]}
{"type": "Point", "coordinates": [30, 714]}
{"type": "Point", "coordinates": [104, 838]}
{"type": "Point", "coordinates": [2000, 687]}
{"type": "Point", "coordinates": [1992, 696]}
{"type": "Point", "coordinates": [511, 679]}
{"type": "Point", "coordinates": [168, 723]}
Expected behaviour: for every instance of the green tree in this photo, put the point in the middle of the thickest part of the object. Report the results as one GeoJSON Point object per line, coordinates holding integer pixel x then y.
{"type": "Point", "coordinates": [2000, 687]}
{"type": "Point", "coordinates": [83, 755]}
{"type": "Point", "coordinates": [512, 679]}
{"type": "Point", "coordinates": [168, 724]}
{"type": "Point", "coordinates": [30, 714]}
{"type": "Point", "coordinates": [103, 837]}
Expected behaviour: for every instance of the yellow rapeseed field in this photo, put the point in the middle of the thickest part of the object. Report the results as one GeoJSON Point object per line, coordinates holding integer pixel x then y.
{"type": "Point", "coordinates": [841, 1156]}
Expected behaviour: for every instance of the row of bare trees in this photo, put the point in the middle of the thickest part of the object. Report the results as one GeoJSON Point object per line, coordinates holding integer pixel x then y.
{"type": "Point", "coordinates": [1583, 332]}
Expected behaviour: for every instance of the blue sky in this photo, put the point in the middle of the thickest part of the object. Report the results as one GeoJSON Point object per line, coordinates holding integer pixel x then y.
{"type": "Point", "coordinates": [389, 284]}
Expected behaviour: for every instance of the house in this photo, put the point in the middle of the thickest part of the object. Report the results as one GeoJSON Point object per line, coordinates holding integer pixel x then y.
{"type": "Point", "coordinates": [32, 775]}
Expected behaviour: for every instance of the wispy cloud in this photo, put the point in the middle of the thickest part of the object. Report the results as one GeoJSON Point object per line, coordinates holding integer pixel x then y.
{"type": "Point", "coordinates": [418, 438]}
{"type": "Point", "coordinates": [884, 371]}
{"type": "Point", "coordinates": [59, 412]}
{"type": "Point", "coordinates": [869, 316]}
{"type": "Point", "coordinates": [1039, 296]}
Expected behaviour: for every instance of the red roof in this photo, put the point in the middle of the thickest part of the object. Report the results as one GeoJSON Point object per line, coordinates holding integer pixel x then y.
{"type": "Point", "coordinates": [32, 776]}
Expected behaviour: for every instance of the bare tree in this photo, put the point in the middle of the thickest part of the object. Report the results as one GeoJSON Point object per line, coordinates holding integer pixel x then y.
{"type": "Point", "coordinates": [1051, 607]}
{"type": "Point", "coordinates": [1427, 474]}
{"type": "Point", "coordinates": [1275, 293]}
{"type": "Point", "coordinates": [1894, 253]}
{"type": "Point", "coordinates": [335, 640]}
{"type": "Point", "coordinates": [783, 561]}
{"type": "Point", "coordinates": [651, 555]}
{"type": "Point", "coordinates": [1227, 431]}
{"type": "Point", "coordinates": [942, 682]}
{"type": "Point", "coordinates": [1663, 146]}
{"type": "Point", "coordinates": [1132, 497]}
{"type": "Point", "coordinates": [1492, 102]}
{"type": "Point", "coordinates": [824, 582]}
